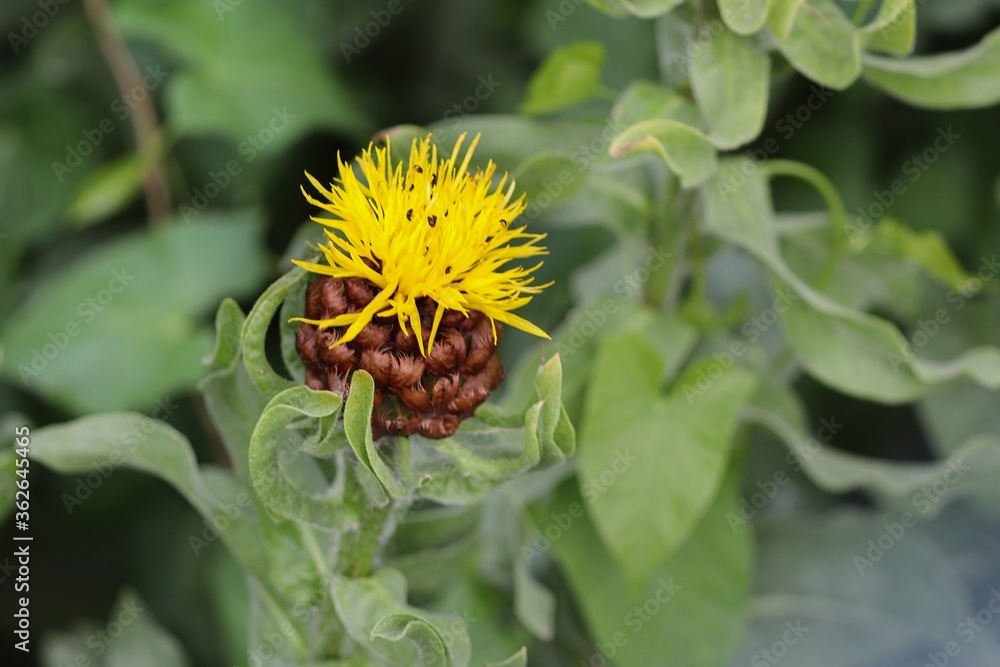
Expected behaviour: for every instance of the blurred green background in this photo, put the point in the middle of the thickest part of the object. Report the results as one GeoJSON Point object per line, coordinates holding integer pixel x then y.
{"type": "Point", "coordinates": [248, 94]}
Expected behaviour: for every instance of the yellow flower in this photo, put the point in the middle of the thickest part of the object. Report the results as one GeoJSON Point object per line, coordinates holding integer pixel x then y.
{"type": "Point", "coordinates": [429, 229]}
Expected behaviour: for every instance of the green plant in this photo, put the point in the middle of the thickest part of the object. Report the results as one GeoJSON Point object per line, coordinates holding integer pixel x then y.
{"type": "Point", "coordinates": [719, 500]}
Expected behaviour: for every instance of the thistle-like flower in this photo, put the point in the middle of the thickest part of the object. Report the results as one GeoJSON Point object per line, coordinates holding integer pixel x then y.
{"type": "Point", "coordinates": [417, 284]}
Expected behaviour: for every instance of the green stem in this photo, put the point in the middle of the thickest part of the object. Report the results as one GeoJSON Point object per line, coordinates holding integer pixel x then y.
{"type": "Point", "coordinates": [838, 214]}
{"type": "Point", "coordinates": [698, 287]}
{"type": "Point", "coordinates": [359, 547]}
{"type": "Point", "coordinates": [283, 621]}
{"type": "Point", "coordinates": [315, 551]}
{"type": "Point", "coordinates": [670, 218]}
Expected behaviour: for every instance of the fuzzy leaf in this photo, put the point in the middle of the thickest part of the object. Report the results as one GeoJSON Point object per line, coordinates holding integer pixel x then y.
{"type": "Point", "coordinates": [852, 351]}
{"type": "Point", "coordinates": [276, 443]}
{"type": "Point", "coordinates": [692, 609]}
{"type": "Point", "coordinates": [687, 151]}
{"type": "Point", "coordinates": [534, 604]}
{"type": "Point", "coordinates": [496, 446]}
{"type": "Point", "coordinates": [894, 28]}
{"type": "Point", "coordinates": [570, 75]}
{"type": "Point", "coordinates": [730, 82]}
{"type": "Point", "coordinates": [358, 427]}
{"type": "Point", "coordinates": [232, 400]}
{"type": "Point", "coordinates": [120, 327]}
{"type": "Point", "coordinates": [674, 447]}
{"type": "Point", "coordinates": [519, 659]}
{"type": "Point", "coordinates": [966, 79]}
{"type": "Point", "coordinates": [376, 616]}
{"type": "Point", "coordinates": [744, 17]}
{"type": "Point", "coordinates": [821, 43]}
{"type": "Point", "coordinates": [255, 334]}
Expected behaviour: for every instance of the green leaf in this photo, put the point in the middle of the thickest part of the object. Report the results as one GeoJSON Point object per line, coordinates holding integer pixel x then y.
{"type": "Point", "coordinates": [233, 402]}
{"type": "Point", "coordinates": [276, 442]}
{"type": "Point", "coordinates": [272, 554]}
{"type": "Point", "coordinates": [495, 445]}
{"type": "Point", "coordinates": [113, 186]}
{"type": "Point", "coordinates": [255, 334]}
{"type": "Point", "coordinates": [376, 616]}
{"type": "Point", "coordinates": [40, 141]}
{"type": "Point", "coordinates": [687, 151]}
{"type": "Point", "coordinates": [358, 428]}
{"type": "Point", "coordinates": [691, 612]}
{"type": "Point", "coordinates": [8, 478]}
{"type": "Point", "coordinates": [781, 16]}
{"type": "Point", "coordinates": [229, 82]}
{"type": "Point", "coordinates": [229, 321]}
{"type": "Point", "coordinates": [127, 314]}
{"type": "Point", "coordinates": [131, 638]}
{"type": "Point", "coordinates": [744, 17]}
{"type": "Point", "coordinates": [519, 659]}
{"type": "Point", "coordinates": [894, 29]}
{"type": "Point", "coordinates": [822, 43]}
{"type": "Point", "coordinates": [143, 642]}
{"type": "Point", "coordinates": [667, 452]}
{"type": "Point", "coordinates": [648, 101]}
{"type": "Point", "coordinates": [854, 352]}
{"type": "Point", "coordinates": [730, 82]}
{"type": "Point", "coordinates": [548, 176]}
{"type": "Point", "coordinates": [928, 250]}
{"type": "Point", "coordinates": [965, 79]}
{"type": "Point", "coordinates": [107, 191]}
{"type": "Point", "coordinates": [648, 9]}
{"type": "Point", "coordinates": [610, 7]}
{"type": "Point", "coordinates": [923, 489]}
{"type": "Point", "coordinates": [569, 75]}
{"type": "Point", "coordinates": [534, 604]}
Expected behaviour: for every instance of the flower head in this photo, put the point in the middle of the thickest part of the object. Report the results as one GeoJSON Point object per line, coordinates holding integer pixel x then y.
{"type": "Point", "coordinates": [428, 229]}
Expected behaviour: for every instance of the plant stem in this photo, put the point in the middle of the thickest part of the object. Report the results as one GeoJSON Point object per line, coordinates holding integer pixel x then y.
{"type": "Point", "coordinates": [144, 122]}
{"type": "Point", "coordinates": [359, 547]}
{"type": "Point", "coordinates": [315, 551]}
{"type": "Point", "coordinates": [838, 214]}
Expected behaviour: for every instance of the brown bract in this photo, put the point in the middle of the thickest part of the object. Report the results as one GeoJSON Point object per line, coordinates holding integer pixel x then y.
{"type": "Point", "coordinates": [413, 394]}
